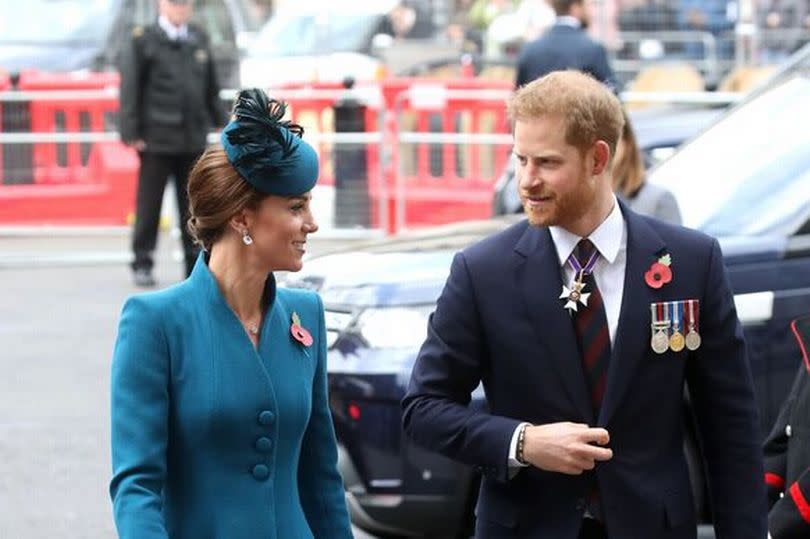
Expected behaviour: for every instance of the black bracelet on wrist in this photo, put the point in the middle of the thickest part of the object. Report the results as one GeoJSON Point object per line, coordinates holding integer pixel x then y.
{"type": "Point", "coordinates": [520, 442]}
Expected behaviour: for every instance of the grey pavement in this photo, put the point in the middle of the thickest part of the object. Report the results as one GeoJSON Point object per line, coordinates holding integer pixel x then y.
{"type": "Point", "coordinates": [60, 297]}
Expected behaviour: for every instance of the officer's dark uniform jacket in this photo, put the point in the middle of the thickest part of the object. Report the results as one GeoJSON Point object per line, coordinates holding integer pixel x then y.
{"type": "Point", "coordinates": [787, 453]}
{"type": "Point", "coordinates": [169, 90]}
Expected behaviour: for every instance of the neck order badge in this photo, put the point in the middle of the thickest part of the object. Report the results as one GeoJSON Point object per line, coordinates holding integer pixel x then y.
{"type": "Point", "coordinates": [576, 294]}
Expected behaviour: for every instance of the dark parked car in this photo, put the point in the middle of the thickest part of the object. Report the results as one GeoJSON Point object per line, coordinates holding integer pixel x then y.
{"type": "Point", "coordinates": [746, 180]}
{"type": "Point", "coordinates": [72, 35]}
{"type": "Point", "coordinates": [659, 131]}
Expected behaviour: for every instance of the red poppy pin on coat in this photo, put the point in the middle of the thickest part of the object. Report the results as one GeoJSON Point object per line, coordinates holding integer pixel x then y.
{"type": "Point", "coordinates": [660, 272]}
{"type": "Point", "coordinates": [299, 332]}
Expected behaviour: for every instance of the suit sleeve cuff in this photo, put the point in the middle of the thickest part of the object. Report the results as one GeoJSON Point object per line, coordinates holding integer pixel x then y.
{"type": "Point", "coordinates": [512, 462]}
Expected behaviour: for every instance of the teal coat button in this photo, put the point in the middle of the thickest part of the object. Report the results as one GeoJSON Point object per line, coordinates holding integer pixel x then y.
{"type": "Point", "coordinates": [266, 417]}
{"type": "Point", "coordinates": [264, 445]}
{"type": "Point", "coordinates": [261, 472]}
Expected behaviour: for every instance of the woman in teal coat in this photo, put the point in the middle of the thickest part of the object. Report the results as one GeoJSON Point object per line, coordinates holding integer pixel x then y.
{"type": "Point", "coordinates": [220, 420]}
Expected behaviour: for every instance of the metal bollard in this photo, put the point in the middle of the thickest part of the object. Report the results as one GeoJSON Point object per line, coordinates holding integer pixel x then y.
{"type": "Point", "coordinates": [351, 170]}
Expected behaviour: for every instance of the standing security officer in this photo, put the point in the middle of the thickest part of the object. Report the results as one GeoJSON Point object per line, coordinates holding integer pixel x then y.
{"type": "Point", "coordinates": [169, 101]}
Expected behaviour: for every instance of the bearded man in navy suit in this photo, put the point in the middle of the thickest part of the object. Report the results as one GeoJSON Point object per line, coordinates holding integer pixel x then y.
{"type": "Point", "coordinates": [584, 323]}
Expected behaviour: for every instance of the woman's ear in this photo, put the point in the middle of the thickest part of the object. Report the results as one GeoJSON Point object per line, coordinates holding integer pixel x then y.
{"type": "Point", "coordinates": [241, 222]}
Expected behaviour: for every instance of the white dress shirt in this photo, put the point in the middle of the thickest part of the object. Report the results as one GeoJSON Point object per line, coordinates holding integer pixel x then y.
{"type": "Point", "coordinates": [568, 20]}
{"type": "Point", "coordinates": [174, 32]}
{"type": "Point", "coordinates": [610, 239]}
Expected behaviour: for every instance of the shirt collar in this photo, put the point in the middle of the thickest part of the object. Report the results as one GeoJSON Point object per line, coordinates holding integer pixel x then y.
{"type": "Point", "coordinates": [607, 237]}
{"type": "Point", "coordinates": [174, 32]}
{"type": "Point", "coordinates": [568, 20]}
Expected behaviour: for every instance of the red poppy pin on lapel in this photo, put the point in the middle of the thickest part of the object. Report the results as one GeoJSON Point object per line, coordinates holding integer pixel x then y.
{"type": "Point", "coordinates": [299, 332]}
{"type": "Point", "coordinates": [660, 272]}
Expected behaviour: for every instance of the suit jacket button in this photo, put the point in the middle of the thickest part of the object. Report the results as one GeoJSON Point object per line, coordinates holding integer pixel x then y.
{"type": "Point", "coordinates": [788, 431]}
{"type": "Point", "coordinates": [261, 472]}
{"type": "Point", "coordinates": [264, 445]}
{"type": "Point", "coordinates": [266, 417]}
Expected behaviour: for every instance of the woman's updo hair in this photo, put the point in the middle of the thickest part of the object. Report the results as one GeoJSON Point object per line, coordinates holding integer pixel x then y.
{"type": "Point", "coordinates": [216, 193]}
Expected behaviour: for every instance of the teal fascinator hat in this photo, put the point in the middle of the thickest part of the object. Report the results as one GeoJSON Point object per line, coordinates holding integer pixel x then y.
{"type": "Point", "coordinates": [267, 151]}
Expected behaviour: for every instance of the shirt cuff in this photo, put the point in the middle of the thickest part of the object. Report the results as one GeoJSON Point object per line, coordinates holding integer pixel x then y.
{"type": "Point", "coordinates": [512, 461]}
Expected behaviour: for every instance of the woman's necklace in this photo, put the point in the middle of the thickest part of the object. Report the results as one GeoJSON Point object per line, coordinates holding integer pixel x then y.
{"type": "Point", "coordinates": [251, 327]}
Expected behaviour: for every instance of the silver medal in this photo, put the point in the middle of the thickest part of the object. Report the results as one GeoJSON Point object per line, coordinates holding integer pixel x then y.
{"type": "Point", "coordinates": [659, 342]}
{"type": "Point", "coordinates": [692, 336]}
{"type": "Point", "coordinates": [660, 329]}
{"type": "Point", "coordinates": [692, 340]}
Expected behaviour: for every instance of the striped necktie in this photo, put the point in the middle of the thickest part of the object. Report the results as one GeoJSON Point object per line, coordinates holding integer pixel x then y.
{"type": "Point", "coordinates": [593, 336]}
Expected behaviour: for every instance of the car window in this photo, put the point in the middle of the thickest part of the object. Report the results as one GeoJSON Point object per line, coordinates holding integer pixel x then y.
{"type": "Point", "coordinates": [55, 22]}
{"type": "Point", "coordinates": [750, 173]}
{"type": "Point", "coordinates": [214, 17]}
{"type": "Point", "coordinates": [299, 34]}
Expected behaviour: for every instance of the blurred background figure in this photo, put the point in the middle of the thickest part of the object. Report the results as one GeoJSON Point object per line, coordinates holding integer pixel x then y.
{"type": "Point", "coordinates": [262, 9]}
{"type": "Point", "coordinates": [565, 46]}
{"type": "Point", "coordinates": [169, 100]}
{"type": "Point", "coordinates": [716, 17]}
{"type": "Point", "coordinates": [483, 12]}
{"type": "Point", "coordinates": [408, 20]}
{"type": "Point", "coordinates": [629, 181]}
{"type": "Point", "coordinates": [781, 23]}
{"type": "Point", "coordinates": [509, 31]}
{"type": "Point", "coordinates": [402, 19]}
{"type": "Point", "coordinates": [787, 451]}
{"type": "Point", "coordinates": [537, 16]}
{"type": "Point", "coordinates": [461, 30]}
{"type": "Point", "coordinates": [494, 20]}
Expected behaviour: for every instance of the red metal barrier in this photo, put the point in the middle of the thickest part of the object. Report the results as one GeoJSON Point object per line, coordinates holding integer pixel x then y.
{"type": "Point", "coordinates": [66, 162]}
{"type": "Point", "coordinates": [105, 202]}
{"type": "Point", "coordinates": [417, 183]}
{"type": "Point", "coordinates": [441, 182]}
{"type": "Point", "coordinates": [5, 84]}
{"type": "Point", "coordinates": [72, 183]}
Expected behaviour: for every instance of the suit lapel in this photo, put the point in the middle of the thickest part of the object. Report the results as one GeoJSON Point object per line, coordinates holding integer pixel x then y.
{"type": "Point", "coordinates": [540, 279]}
{"type": "Point", "coordinates": [631, 343]}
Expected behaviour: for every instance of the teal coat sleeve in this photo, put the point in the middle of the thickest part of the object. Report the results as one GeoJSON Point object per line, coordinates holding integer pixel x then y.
{"type": "Point", "coordinates": [140, 401]}
{"type": "Point", "coordinates": [319, 481]}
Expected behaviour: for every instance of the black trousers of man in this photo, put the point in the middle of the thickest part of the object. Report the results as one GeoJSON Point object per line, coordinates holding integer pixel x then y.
{"type": "Point", "coordinates": [154, 172]}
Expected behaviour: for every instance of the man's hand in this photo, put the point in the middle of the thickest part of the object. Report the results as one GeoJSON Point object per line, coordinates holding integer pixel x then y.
{"type": "Point", "coordinates": [569, 448]}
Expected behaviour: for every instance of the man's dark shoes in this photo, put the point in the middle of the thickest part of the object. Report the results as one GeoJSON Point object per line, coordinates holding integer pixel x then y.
{"type": "Point", "coordinates": [143, 278]}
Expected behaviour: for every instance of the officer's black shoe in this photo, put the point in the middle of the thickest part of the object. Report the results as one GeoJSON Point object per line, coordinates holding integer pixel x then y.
{"type": "Point", "coordinates": [143, 278]}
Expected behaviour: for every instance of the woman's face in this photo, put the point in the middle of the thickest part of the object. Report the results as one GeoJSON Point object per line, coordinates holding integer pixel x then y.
{"type": "Point", "coordinates": [279, 228]}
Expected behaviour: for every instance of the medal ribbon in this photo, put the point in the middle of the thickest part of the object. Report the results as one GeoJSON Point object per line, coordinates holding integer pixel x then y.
{"type": "Point", "coordinates": [693, 314]}
{"type": "Point", "coordinates": [677, 314]}
{"type": "Point", "coordinates": [578, 268]}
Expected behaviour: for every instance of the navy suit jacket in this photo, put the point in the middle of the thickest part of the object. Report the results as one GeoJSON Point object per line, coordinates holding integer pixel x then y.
{"type": "Point", "coordinates": [499, 322]}
{"type": "Point", "coordinates": [564, 47]}
{"type": "Point", "coordinates": [212, 438]}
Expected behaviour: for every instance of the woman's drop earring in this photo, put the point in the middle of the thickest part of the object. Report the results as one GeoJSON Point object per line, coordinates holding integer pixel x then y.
{"type": "Point", "coordinates": [246, 239]}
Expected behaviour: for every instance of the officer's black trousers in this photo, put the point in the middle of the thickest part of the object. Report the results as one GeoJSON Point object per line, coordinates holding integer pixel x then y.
{"type": "Point", "coordinates": [154, 172]}
{"type": "Point", "coordinates": [592, 529]}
